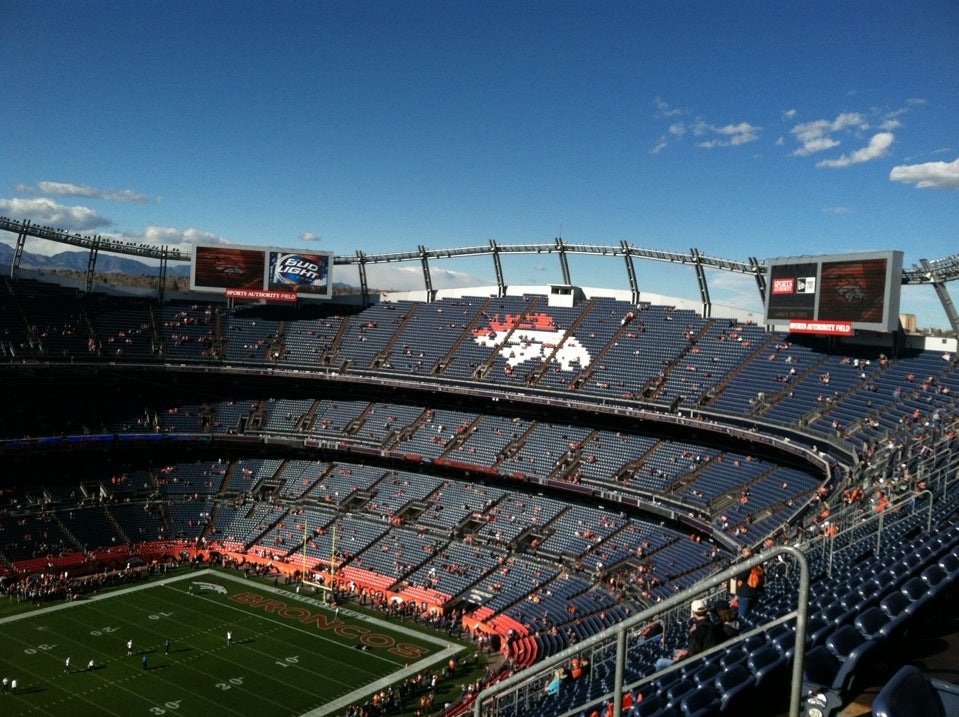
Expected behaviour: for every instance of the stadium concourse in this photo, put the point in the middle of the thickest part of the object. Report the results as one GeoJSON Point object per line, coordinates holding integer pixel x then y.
{"type": "Point", "coordinates": [541, 472]}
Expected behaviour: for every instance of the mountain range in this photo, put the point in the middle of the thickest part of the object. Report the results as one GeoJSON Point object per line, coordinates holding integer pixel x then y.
{"type": "Point", "coordinates": [77, 261]}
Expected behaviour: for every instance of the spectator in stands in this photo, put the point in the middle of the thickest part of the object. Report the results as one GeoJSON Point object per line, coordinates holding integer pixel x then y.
{"type": "Point", "coordinates": [556, 684]}
{"type": "Point", "coordinates": [729, 622]}
{"type": "Point", "coordinates": [704, 633]}
{"type": "Point", "coordinates": [749, 586]}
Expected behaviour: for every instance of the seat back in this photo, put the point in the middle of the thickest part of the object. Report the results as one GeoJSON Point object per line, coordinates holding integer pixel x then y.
{"type": "Point", "coordinates": [871, 621]}
{"type": "Point", "coordinates": [844, 641]}
{"type": "Point", "coordinates": [702, 700]}
{"type": "Point", "coordinates": [908, 694]}
{"type": "Point", "coordinates": [894, 604]}
{"type": "Point", "coordinates": [820, 667]}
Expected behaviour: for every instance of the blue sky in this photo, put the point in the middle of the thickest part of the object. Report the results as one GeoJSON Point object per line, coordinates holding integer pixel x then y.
{"type": "Point", "coordinates": [741, 129]}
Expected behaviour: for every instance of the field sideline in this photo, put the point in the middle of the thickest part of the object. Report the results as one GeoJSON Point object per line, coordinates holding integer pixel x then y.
{"type": "Point", "coordinates": [290, 654]}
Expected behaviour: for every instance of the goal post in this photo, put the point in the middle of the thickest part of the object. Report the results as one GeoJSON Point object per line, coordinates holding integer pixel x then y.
{"type": "Point", "coordinates": [314, 578]}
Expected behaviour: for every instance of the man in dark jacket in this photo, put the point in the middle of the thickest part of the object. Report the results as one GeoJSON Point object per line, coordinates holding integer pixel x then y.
{"type": "Point", "coordinates": [704, 633]}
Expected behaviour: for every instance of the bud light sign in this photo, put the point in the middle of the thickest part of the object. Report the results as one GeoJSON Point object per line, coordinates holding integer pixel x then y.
{"type": "Point", "coordinates": [303, 273]}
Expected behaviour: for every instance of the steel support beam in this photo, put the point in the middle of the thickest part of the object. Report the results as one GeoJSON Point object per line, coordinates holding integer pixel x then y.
{"type": "Point", "coordinates": [630, 270]}
{"type": "Point", "coordinates": [940, 289]}
{"type": "Point", "coordinates": [163, 272]}
{"type": "Point", "coordinates": [364, 286]}
{"type": "Point", "coordinates": [563, 261]}
{"type": "Point", "coordinates": [427, 280]}
{"type": "Point", "coordinates": [18, 252]}
{"type": "Point", "coordinates": [701, 278]}
{"type": "Point", "coordinates": [498, 268]}
{"type": "Point", "coordinates": [92, 263]}
{"type": "Point", "coordinates": [760, 274]}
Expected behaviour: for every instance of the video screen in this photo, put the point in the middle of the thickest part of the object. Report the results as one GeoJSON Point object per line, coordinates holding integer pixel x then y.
{"type": "Point", "coordinates": [792, 291]}
{"type": "Point", "coordinates": [228, 268]}
{"type": "Point", "coordinates": [299, 272]}
{"type": "Point", "coordinates": [853, 290]}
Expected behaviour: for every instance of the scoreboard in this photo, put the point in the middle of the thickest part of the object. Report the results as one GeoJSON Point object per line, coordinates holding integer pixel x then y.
{"type": "Point", "coordinates": [261, 272]}
{"type": "Point", "coordinates": [836, 293]}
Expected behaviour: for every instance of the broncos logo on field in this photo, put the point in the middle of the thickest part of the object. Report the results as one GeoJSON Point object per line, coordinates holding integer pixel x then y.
{"type": "Point", "coordinates": [209, 586]}
{"type": "Point", "coordinates": [533, 338]}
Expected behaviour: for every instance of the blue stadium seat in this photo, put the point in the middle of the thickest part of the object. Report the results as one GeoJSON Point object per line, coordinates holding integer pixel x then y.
{"type": "Point", "coordinates": [872, 623]}
{"type": "Point", "coordinates": [701, 702]}
{"type": "Point", "coordinates": [764, 661]}
{"type": "Point", "coordinates": [897, 608]}
{"type": "Point", "coordinates": [817, 628]}
{"type": "Point", "coordinates": [916, 590]}
{"type": "Point", "coordinates": [908, 694]}
{"type": "Point", "coordinates": [849, 645]}
{"type": "Point", "coordinates": [733, 682]}
{"type": "Point", "coordinates": [783, 638]}
{"type": "Point", "coordinates": [829, 669]}
{"type": "Point", "coordinates": [950, 563]}
{"type": "Point", "coordinates": [706, 673]}
{"type": "Point", "coordinates": [652, 706]}
{"type": "Point", "coordinates": [824, 677]}
{"type": "Point", "coordinates": [937, 580]}
{"type": "Point", "coordinates": [678, 690]}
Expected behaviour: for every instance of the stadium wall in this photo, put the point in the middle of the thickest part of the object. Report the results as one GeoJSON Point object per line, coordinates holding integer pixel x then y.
{"type": "Point", "coordinates": [722, 311]}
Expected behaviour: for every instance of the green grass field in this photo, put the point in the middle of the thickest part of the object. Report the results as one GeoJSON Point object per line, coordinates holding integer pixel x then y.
{"type": "Point", "coordinates": [290, 654]}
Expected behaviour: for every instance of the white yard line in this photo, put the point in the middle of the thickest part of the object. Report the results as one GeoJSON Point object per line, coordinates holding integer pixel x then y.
{"type": "Point", "coordinates": [447, 650]}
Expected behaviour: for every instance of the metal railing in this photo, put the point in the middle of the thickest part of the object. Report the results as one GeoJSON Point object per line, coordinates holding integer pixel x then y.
{"type": "Point", "coordinates": [519, 693]}
{"type": "Point", "coordinates": [891, 515]}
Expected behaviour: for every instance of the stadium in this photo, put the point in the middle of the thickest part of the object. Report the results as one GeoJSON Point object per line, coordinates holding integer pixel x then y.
{"type": "Point", "coordinates": [558, 472]}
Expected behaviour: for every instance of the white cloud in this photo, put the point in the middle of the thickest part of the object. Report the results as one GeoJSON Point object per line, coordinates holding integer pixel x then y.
{"type": "Point", "coordinates": [663, 109]}
{"type": "Point", "coordinates": [730, 135]}
{"type": "Point", "coordinates": [789, 114]}
{"type": "Point", "coordinates": [928, 175]}
{"type": "Point", "coordinates": [46, 212]}
{"type": "Point", "coordinates": [660, 145]}
{"type": "Point", "coordinates": [878, 147]}
{"type": "Point", "coordinates": [171, 236]}
{"type": "Point", "coordinates": [408, 278]}
{"type": "Point", "coordinates": [740, 133]}
{"type": "Point", "coordinates": [156, 236]}
{"type": "Point", "coordinates": [817, 145]}
{"type": "Point", "coordinates": [41, 247]}
{"type": "Point", "coordinates": [738, 290]}
{"type": "Point", "coordinates": [66, 189]}
{"type": "Point", "coordinates": [815, 136]}
{"type": "Point", "coordinates": [182, 239]}
{"type": "Point", "coordinates": [309, 236]}
{"type": "Point", "coordinates": [836, 210]}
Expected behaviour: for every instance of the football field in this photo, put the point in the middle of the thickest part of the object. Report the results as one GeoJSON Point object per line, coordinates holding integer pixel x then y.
{"type": "Point", "coordinates": [287, 654]}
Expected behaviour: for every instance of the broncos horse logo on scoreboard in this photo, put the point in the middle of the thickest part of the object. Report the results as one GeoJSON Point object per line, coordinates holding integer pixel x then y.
{"type": "Point", "coordinates": [533, 338]}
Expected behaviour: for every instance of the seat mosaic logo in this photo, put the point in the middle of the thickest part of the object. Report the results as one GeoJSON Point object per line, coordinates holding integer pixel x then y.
{"type": "Point", "coordinates": [534, 337]}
